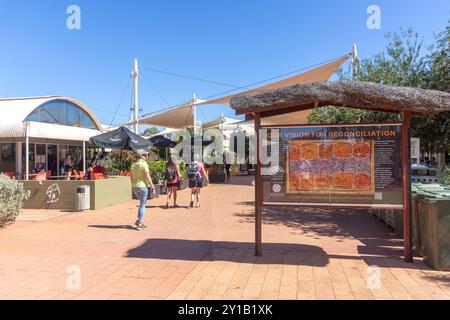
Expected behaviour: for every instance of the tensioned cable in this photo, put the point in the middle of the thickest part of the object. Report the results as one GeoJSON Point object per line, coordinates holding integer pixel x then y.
{"type": "Point", "coordinates": [247, 86]}
{"type": "Point", "coordinates": [273, 78]}
{"type": "Point", "coordinates": [120, 102]}
{"type": "Point", "coordinates": [185, 120]}
{"type": "Point", "coordinates": [165, 100]}
{"type": "Point", "coordinates": [193, 78]}
{"type": "Point", "coordinates": [156, 90]}
{"type": "Point", "coordinates": [106, 111]}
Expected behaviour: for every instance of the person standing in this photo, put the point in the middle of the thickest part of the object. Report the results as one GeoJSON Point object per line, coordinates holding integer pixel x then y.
{"type": "Point", "coordinates": [68, 166]}
{"type": "Point", "coordinates": [173, 180]}
{"type": "Point", "coordinates": [39, 168]}
{"type": "Point", "coordinates": [196, 171]}
{"type": "Point", "coordinates": [227, 163]}
{"type": "Point", "coordinates": [141, 181]}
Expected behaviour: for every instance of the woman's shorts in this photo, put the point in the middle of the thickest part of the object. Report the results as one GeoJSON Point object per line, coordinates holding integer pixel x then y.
{"type": "Point", "coordinates": [173, 184]}
{"type": "Point", "coordinates": [198, 183]}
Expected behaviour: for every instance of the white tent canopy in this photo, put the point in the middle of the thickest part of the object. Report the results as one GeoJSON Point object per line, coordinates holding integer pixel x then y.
{"type": "Point", "coordinates": [220, 121]}
{"type": "Point", "coordinates": [182, 116]}
{"type": "Point", "coordinates": [178, 117]}
{"type": "Point", "coordinates": [318, 74]}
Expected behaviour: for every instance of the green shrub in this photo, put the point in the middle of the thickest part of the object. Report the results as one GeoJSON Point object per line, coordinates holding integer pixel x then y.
{"type": "Point", "coordinates": [112, 167]}
{"type": "Point", "coordinates": [183, 172]}
{"type": "Point", "coordinates": [121, 160]}
{"type": "Point", "coordinates": [12, 195]}
{"type": "Point", "coordinates": [157, 170]}
{"type": "Point", "coordinates": [446, 175]}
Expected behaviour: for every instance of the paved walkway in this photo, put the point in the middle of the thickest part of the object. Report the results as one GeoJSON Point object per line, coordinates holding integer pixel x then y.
{"type": "Point", "coordinates": [207, 253]}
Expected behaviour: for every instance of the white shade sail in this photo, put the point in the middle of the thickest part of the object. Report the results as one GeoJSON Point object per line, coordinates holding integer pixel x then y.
{"type": "Point", "coordinates": [220, 121]}
{"type": "Point", "coordinates": [182, 116]}
{"type": "Point", "coordinates": [319, 74]}
{"type": "Point", "coordinates": [179, 117]}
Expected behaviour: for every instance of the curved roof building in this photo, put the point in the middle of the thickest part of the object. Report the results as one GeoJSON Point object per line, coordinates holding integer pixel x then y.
{"type": "Point", "coordinates": [51, 128]}
{"type": "Point", "coordinates": [45, 116]}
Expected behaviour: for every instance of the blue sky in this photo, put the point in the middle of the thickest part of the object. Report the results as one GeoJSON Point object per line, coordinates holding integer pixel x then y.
{"type": "Point", "coordinates": [232, 41]}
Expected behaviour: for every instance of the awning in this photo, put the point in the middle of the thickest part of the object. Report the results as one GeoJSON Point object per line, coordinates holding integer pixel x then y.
{"type": "Point", "coordinates": [352, 94]}
{"type": "Point", "coordinates": [47, 131]}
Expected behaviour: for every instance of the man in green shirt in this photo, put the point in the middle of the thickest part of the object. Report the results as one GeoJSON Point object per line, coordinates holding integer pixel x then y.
{"type": "Point", "coordinates": [141, 181]}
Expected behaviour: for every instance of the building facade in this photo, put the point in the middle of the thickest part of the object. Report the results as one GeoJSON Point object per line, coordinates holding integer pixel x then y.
{"type": "Point", "coordinates": [47, 129]}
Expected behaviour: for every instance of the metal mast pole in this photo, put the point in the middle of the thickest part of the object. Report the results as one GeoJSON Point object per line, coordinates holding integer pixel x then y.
{"type": "Point", "coordinates": [135, 75]}
{"type": "Point", "coordinates": [355, 61]}
{"type": "Point", "coordinates": [194, 113]}
{"type": "Point", "coordinates": [197, 144]}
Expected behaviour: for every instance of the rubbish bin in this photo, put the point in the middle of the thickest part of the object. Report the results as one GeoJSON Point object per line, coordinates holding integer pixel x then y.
{"type": "Point", "coordinates": [417, 244]}
{"type": "Point", "coordinates": [434, 224]}
{"type": "Point", "coordinates": [83, 198]}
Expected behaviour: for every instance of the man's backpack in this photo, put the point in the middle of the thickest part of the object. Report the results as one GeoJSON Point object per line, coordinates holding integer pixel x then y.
{"type": "Point", "coordinates": [193, 171]}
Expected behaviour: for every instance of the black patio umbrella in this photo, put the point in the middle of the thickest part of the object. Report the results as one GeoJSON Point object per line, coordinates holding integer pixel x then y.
{"type": "Point", "coordinates": [162, 142]}
{"type": "Point", "coordinates": [120, 139]}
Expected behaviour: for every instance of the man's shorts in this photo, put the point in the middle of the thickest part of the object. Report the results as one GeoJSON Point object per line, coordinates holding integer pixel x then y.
{"type": "Point", "coordinates": [197, 183]}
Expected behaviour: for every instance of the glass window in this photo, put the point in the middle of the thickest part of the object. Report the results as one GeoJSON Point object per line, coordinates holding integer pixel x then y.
{"type": "Point", "coordinates": [63, 153]}
{"type": "Point", "coordinates": [7, 157]}
{"type": "Point", "coordinates": [31, 157]}
{"type": "Point", "coordinates": [76, 153]}
{"type": "Point", "coordinates": [63, 113]}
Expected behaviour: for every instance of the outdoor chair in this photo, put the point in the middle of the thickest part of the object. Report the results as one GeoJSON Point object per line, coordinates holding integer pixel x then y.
{"type": "Point", "coordinates": [49, 174]}
{"type": "Point", "coordinates": [41, 176]}
{"type": "Point", "coordinates": [9, 174]}
{"type": "Point", "coordinates": [76, 175]}
{"type": "Point", "coordinates": [124, 173]}
{"type": "Point", "coordinates": [98, 176]}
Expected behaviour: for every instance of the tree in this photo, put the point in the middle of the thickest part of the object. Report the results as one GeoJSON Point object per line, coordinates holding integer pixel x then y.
{"type": "Point", "coordinates": [434, 130]}
{"type": "Point", "coordinates": [150, 131]}
{"type": "Point", "coordinates": [402, 64]}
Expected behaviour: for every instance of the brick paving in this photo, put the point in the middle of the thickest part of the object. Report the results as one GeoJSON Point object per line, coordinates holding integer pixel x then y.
{"type": "Point", "coordinates": [207, 253]}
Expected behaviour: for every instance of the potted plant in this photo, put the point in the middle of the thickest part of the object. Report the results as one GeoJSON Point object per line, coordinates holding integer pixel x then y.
{"type": "Point", "coordinates": [157, 171]}
{"type": "Point", "coordinates": [184, 178]}
{"type": "Point", "coordinates": [217, 175]}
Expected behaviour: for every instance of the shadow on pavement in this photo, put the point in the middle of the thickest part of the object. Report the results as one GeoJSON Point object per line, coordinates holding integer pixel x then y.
{"type": "Point", "coordinates": [114, 227]}
{"type": "Point", "coordinates": [337, 224]}
{"type": "Point", "coordinates": [204, 250]}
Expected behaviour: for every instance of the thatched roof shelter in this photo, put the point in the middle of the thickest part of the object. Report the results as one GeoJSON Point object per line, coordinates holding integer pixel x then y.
{"type": "Point", "coordinates": [353, 94]}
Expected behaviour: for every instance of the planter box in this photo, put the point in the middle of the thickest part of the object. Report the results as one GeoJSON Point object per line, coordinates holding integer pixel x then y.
{"type": "Point", "coordinates": [158, 188]}
{"type": "Point", "coordinates": [217, 178]}
{"type": "Point", "coordinates": [184, 184]}
{"type": "Point", "coordinates": [163, 189]}
{"type": "Point", "coordinates": [151, 195]}
{"type": "Point", "coordinates": [62, 194]}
